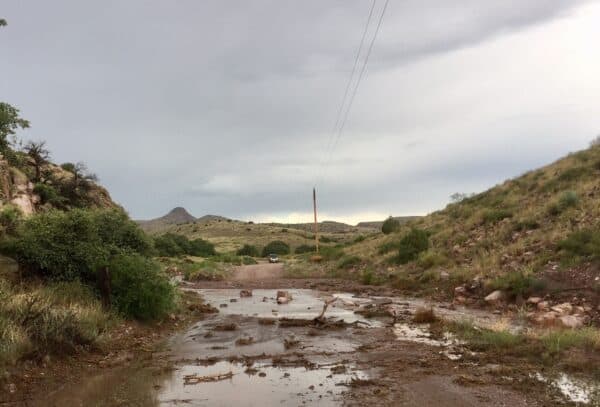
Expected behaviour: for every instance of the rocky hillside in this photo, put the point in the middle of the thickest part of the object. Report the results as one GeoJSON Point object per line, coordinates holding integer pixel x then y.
{"type": "Point", "coordinates": [56, 186]}
{"type": "Point", "coordinates": [538, 234]}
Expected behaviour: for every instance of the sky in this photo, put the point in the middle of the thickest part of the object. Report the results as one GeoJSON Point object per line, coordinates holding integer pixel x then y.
{"type": "Point", "coordinates": [228, 107]}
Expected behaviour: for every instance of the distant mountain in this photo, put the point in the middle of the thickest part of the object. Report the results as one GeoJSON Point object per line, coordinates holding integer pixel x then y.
{"type": "Point", "coordinates": [176, 216]}
{"type": "Point", "coordinates": [326, 226]}
{"type": "Point", "coordinates": [211, 218]}
{"type": "Point", "coordinates": [378, 224]}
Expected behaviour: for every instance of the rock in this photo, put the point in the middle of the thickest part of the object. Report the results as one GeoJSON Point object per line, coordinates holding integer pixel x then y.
{"type": "Point", "coordinates": [283, 297]}
{"type": "Point", "coordinates": [245, 293]}
{"type": "Point", "coordinates": [534, 300]}
{"type": "Point", "coordinates": [495, 296]}
{"type": "Point", "coordinates": [23, 202]}
{"type": "Point", "coordinates": [545, 318]}
{"type": "Point", "coordinates": [543, 305]}
{"type": "Point", "coordinates": [461, 290]}
{"type": "Point", "coordinates": [460, 299]}
{"type": "Point", "coordinates": [444, 275]}
{"type": "Point", "coordinates": [578, 310]}
{"type": "Point", "coordinates": [563, 309]}
{"type": "Point", "coordinates": [571, 321]}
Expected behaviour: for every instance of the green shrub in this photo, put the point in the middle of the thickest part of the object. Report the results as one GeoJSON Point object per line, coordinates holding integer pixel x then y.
{"type": "Point", "coordinates": [248, 261]}
{"type": "Point", "coordinates": [369, 277]}
{"type": "Point", "coordinates": [139, 288]}
{"type": "Point", "coordinates": [305, 248]}
{"type": "Point", "coordinates": [583, 243]}
{"type": "Point", "coordinates": [331, 253]}
{"type": "Point", "coordinates": [174, 245]}
{"type": "Point", "coordinates": [387, 247]}
{"type": "Point", "coordinates": [390, 225]}
{"type": "Point", "coordinates": [359, 238]}
{"type": "Point", "coordinates": [568, 199]}
{"type": "Point", "coordinates": [496, 215]}
{"type": "Point", "coordinates": [10, 217]}
{"type": "Point", "coordinates": [48, 194]}
{"type": "Point", "coordinates": [411, 245]}
{"type": "Point", "coordinates": [73, 245]}
{"type": "Point", "coordinates": [516, 283]}
{"type": "Point", "coordinates": [248, 250]}
{"type": "Point", "coordinates": [349, 262]}
{"type": "Point", "coordinates": [166, 246]}
{"type": "Point", "coordinates": [276, 247]}
{"type": "Point", "coordinates": [202, 248]}
{"type": "Point", "coordinates": [429, 259]}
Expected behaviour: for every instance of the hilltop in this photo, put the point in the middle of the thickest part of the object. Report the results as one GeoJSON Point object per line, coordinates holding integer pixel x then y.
{"type": "Point", "coordinates": [378, 224]}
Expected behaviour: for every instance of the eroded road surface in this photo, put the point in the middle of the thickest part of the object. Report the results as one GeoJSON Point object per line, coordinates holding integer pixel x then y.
{"type": "Point", "coordinates": [258, 352]}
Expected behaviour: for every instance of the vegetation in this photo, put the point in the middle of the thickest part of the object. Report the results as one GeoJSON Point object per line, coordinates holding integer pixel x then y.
{"type": "Point", "coordinates": [411, 245]}
{"type": "Point", "coordinates": [516, 283]}
{"type": "Point", "coordinates": [248, 250]}
{"type": "Point", "coordinates": [173, 245]}
{"type": "Point", "coordinates": [348, 262]}
{"type": "Point", "coordinates": [583, 243]}
{"type": "Point", "coordinates": [390, 225]}
{"type": "Point", "coordinates": [276, 247]}
{"type": "Point", "coordinates": [305, 248]}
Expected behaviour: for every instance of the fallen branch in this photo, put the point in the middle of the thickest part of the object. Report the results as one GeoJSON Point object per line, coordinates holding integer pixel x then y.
{"type": "Point", "coordinates": [194, 379]}
{"type": "Point", "coordinates": [327, 304]}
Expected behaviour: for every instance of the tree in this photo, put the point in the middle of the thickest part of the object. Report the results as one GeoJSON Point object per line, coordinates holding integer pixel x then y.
{"type": "Point", "coordinates": [595, 142]}
{"type": "Point", "coordinates": [10, 122]}
{"type": "Point", "coordinates": [390, 225]}
{"type": "Point", "coordinates": [411, 245]}
{"type": "Point", "coordinates": [80, 183]}
{"type": "Point", "coordinates": [39, 155]}
{"type": "Point", "coordinates": [2, 22]}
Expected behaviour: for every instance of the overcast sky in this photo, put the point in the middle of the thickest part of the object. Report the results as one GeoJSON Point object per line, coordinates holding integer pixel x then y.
{"type": "Point", "coordinates": [227, 107]}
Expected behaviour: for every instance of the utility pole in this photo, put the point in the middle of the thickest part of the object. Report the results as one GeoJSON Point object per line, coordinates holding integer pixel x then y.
{"type": "Point", "coordinates": [316, 224]}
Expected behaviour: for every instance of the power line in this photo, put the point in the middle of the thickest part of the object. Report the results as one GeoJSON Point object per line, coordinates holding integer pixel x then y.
{"type": "Point", "coordinates": [353, 95]}
{"type": "Point", "coordinates": [360, 76]}
{"type": "Point", "coordinates": [356, 58]}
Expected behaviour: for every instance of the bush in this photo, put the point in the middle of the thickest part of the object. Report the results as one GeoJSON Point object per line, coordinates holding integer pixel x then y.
{"type": "Point", "coordinates": [390, 225]}
{"type": "Point", "coordinates": [429, 259]}
{"type": "Point", "coordinates": [305, 248]}
{"type": "Point", "coordinates": [174, 245]}
{"type": "Point", "coordinates": [10, 217]}
{"type": "Point", "coordinates": [331, 253]}
{"type": "Point", "coordinates": [73, 245]}
{"type": "Point", "coordinates": [349, 262]}
{"type": "Point", "coordinates": [276, 247]}
{"type": "Point", "coordinates": [53, 319]}
{"type": "Point", "coordinates": [139, 288]}
{"type": "Point", "coordinates": [516, 283]}
{"type": "Point", "coordinates": [248, 250]}
{"type": "Point", "coordinates": [568, 199]}
{"type": "Point", "coordinates": [411, 245]}
{"type": "Point", "coordinates": [584, 243]}
{"type": "Point", "coordinates": [359, 238]}
{"type": "Point", "coordinates": [48, 194]}
{"type": "Point", "coordinates": [496, 215]}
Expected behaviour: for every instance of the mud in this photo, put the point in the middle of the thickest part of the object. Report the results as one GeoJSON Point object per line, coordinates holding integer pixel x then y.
{"type": "Point", "coordinates": [365, 351]}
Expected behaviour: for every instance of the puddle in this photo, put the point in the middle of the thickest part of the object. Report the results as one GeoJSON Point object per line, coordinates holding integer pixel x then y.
{"type": "Point", "coordinates": [420, 334]}
{"type": "Point", "coordinates": [265, 385]}
{"type": "Point", "coordinates": [306, 304]}
{"type": "Point", "coordinates": [573, 389]}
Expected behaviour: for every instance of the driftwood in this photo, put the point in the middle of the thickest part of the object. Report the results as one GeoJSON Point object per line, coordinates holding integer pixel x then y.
{"type": "Point", "coordinates": [321, 316]}
{"type": "Point", "coordinates": [194, 379]}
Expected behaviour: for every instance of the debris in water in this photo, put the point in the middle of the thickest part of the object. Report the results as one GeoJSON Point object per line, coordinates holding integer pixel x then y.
{"type": "Point", "coordinates": [245, 293]}
{"type": "Point", "coordinates": [244, 341]}
{"type": "Point", "coordinates": [194, 379]}
{"type": "Point", "coordinates": [283, 297]}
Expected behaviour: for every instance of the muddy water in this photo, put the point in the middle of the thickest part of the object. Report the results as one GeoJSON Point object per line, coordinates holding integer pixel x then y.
{"type": "Point", "coordinates": [241, 356]}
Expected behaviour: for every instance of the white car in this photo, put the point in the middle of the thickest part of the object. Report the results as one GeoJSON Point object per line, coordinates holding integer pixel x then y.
{"type": "Point", "coordinates": [273, 258]}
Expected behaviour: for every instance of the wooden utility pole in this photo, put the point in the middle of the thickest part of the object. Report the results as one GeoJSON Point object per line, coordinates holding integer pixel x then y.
{"type": "Point", "coordinates": [316, 223]}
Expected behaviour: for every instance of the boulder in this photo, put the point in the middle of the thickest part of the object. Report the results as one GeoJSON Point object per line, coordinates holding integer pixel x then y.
{"type": "Point", "coordinates": [571, 321]}
{"type": "Point", "coordinates": [543, 305]}
{"type": "Point", "coordinates": [534, 300]}
{"type": "Point", "coordinates": [495, 296]}
{"type": "Point", "coordinates": [283, 297]}
{"type": "Point", "coordinates": [563, 309]}
{"type": "Point", "coordinates": [460, 290]}
{"type": "Point", "coordinates": [545, 318]}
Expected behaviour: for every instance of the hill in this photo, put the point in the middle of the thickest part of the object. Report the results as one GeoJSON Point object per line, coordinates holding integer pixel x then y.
{"type": "Point", "coordinates": [537, 232]}
{"type": "Point", "coordinates": [377, 224]}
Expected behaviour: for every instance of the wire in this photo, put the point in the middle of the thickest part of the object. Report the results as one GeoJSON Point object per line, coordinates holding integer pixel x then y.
{"type": "Point", "coordinates": [350, 79]}
{"type": "Point", "coordinates": [337, 135]}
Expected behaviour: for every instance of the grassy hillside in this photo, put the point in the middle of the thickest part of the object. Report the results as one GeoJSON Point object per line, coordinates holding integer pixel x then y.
{"type": "Point", "coordinates": [540, 230]}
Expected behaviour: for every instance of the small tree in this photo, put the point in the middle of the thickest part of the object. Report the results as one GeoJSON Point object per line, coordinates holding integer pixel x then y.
{"type": "Point", "coordinates": [10, 122]}
{"type": "Point", "coordinates": [276, 247]}
{"type": "Point", "coordinates": [390, 225]}
{"type": "Point", "coordinates": [411, 245]}
{"type": "Point", "coordinates": [248, 250]}
{"type": "Point", "coordinates": [2, 22]}
{"type": "Point", "coordinates": [39, 155]}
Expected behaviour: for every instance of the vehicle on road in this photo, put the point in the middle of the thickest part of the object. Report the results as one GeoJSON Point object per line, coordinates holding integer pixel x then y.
{"type": "Point", "coordinates": [273, 258]}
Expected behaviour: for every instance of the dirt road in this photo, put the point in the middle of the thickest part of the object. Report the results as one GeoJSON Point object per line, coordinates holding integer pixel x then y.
{"type": "Point", "coordinates": [256, 352]}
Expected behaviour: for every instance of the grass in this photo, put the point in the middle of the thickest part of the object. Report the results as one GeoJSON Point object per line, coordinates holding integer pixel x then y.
{"type": "Point", "coordinates": [424, 315]}
{"type": "Point", "coordinates": [49, 320]}
{"type": "Point", "coordinates": [516, 283]}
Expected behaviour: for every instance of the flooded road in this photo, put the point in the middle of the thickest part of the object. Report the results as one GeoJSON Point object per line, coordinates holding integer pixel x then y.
{"type": "Point", "coordinates": [258, 352]}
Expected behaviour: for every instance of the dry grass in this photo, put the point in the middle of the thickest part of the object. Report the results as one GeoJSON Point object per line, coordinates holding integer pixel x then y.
{"type": "Point", "coordinates": [424, 315]}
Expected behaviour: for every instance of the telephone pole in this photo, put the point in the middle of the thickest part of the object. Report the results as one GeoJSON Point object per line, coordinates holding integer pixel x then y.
{"type": "Point", "coordinates": [316, 223]}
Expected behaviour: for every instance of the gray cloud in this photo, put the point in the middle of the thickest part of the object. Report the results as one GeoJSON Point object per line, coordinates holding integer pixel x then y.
{"type": "Point", "coordinates": [226, 106]}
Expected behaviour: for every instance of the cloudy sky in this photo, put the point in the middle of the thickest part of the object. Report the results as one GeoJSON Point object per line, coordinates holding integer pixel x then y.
{"type": "Point", "coordinates": [227, 107]}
